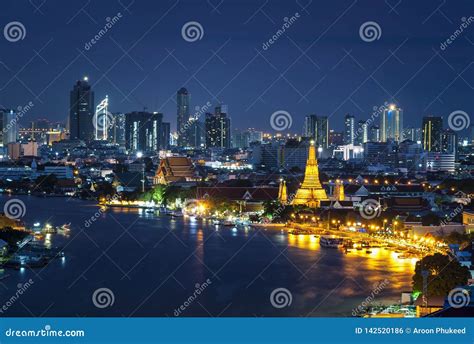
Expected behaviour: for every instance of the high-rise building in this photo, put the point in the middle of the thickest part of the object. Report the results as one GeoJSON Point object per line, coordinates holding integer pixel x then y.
{"type": "Point", "coordinates": [349, 129]}
{"type": "Point", "coordinates": [362, 133]}
{"type": "Point", "coordinates": [391, 124]}
{"type": "Point", "coordinates": [409, 134]}
{"type": "Point", "coordinates": [432, 130]}
{"type": "Point", "coordinates": [116, 129]}
{"type": "Point", "coordinates": [165, 135]}
{"type": "Point", "coordinates": [81, 111]}
{"type": "Point", "coordinates": [449, 141]}
{"type": "Point", "coordinates": [336, 138]}
{"type": "Point", "coordinates": [143, 131]}
{"type": "Point", "coordinates": [182, 100]}
{"type": "Point", "coordinates": [374, 134]}
{"type": "Point", "coordinates": [317, 128]}
{"type": "Point", "coordinates": [218, 129]}
{"type": "Point", "coordinates": [9, 126]}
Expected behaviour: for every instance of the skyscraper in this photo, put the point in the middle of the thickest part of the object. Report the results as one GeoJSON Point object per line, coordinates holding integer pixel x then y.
{"type": "Point", "coordinates": [165, 135]}
{"type": "Point", "coordinates": [362, 133]}
{"type": "Point", "coordinates": [182, 100]}
{"type": "Point", "coordinates": [81, 111]}
{"type": "Point", "coordinates": [9, 126]}
{"type": "Point", "coordinates": [116, 130]}
{"type": "Point", "coordinates": [143, 131]}
{"type": "Point", "coordinates": [432, 130]}
{"type": "Point", "coordinates": [349, 129]}
{"type": "Point", "coordinates": [391, 124]}
{"type": "Point", "coordinates": [374, 134]}
{"type": "Point", "coordinates": [218, 129]}
{"type": "Point", "coordinates": [317, 128]}
{"type": "Point", "coordinates": [449, 141]}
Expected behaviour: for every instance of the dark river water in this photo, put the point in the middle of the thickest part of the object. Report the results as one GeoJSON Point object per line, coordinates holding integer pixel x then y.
{"type": "Point", "coordinates": [152, 265]}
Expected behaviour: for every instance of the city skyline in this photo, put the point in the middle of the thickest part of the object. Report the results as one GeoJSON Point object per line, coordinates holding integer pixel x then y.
{"type": "Point", "coordinates": [317, 83]}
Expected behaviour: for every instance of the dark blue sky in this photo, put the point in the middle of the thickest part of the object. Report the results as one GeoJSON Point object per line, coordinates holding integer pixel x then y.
{"type": "Point", "coordinates": [143, 60]}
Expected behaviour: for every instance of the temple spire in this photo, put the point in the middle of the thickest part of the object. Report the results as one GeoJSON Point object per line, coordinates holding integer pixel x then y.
{"type": "Point", "coordinates": [311, 192]}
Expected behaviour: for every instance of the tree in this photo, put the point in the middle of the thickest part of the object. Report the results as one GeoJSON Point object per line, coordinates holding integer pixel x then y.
{"type": "Point", "coordinates": [444, 274]}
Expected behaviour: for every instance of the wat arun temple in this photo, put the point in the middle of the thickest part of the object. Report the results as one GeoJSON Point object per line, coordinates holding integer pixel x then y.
{"type": "Point", "coordinates": [310, 193]}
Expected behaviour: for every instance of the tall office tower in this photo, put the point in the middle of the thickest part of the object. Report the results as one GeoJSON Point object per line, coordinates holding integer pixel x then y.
{"type": "Point", "coordinates": [418, 135]}
{"type": "Point", "coordinates": [9, 126]}
{"type": "Point", "coordinates": [193, 131]}
{"type": "Point", "coordinates": [409, 134]}
{"type": "Point", "coordinates": [317, 128]}
{"type": "Point", "coordinates": [165, 135]}
{"type": "Point", "coordinates": [143, 131]}
{"type": "Point", "coordinates": [432, 130]}
{"type": "Point", "coordinates": [391, 124]}
{"type": "Point", "coordinates": [81, 111]}
{"type": "Point", "coordinates": [182, 100]}
{"type": "Point", "coordinates": [362, 133]}
{"type": "Point", "coordinates": [335, 138]}
{"type": "Point", "coordinates": [116, 129]}
{"type": "Point", "coordinates": [239, 138]}
{"type": "Point", "coordinates": [218, 129]}
{"type": "Point", "coordinates": [309, 126]}
{"type": "Point", "coordinates": [254, 135]}
{"type": "Point", "coordinates": [349, 129]}
{"type": "Point", "coordinates": [374, 135]}
{"type": "Point", "coordinates": [449, 141]}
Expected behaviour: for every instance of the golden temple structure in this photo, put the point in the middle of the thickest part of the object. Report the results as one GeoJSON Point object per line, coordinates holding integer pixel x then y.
{"type": "Point", "coordinates": [282, 192]}
{"type": "Point", "coordinates": [311, 193]}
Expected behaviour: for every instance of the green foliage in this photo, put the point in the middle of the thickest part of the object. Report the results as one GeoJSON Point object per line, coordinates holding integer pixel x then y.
{"type": "Point", "coordinates": [444, 274]}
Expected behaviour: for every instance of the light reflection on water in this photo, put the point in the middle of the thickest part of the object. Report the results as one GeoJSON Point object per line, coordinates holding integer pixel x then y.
{"type": "Point", "coordinates": [173, 254]}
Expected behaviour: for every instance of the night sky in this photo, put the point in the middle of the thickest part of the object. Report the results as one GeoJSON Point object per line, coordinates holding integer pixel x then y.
{"type": "Point", "coordinates": [320, 65]}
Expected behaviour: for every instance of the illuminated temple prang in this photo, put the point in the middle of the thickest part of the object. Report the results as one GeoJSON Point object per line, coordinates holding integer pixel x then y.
{"type": "Point", "coordinates": [311, 193]}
